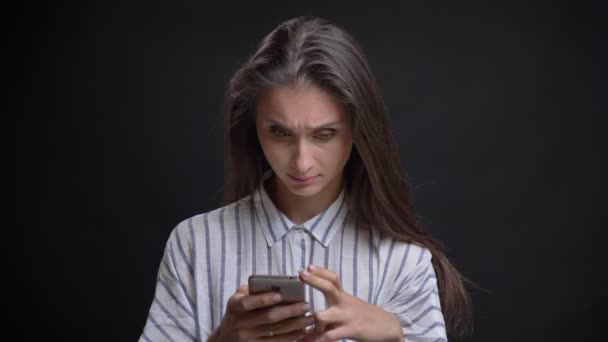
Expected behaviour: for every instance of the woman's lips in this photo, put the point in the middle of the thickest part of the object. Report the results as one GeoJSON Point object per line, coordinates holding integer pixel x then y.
{"type": "Point", "coordinates": [303, 180]}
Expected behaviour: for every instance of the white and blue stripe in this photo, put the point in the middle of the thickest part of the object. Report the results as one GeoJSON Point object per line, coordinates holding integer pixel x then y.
{"type": "Point", "coordinates": [209, 255]}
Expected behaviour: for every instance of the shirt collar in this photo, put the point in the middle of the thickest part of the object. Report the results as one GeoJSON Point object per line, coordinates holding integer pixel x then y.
{"type": "Point", "coordinates": [275, 224]}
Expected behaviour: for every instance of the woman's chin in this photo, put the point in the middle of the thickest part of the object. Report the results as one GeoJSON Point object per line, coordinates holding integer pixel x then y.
{"type": "Point", "coordinates": [307, 191]}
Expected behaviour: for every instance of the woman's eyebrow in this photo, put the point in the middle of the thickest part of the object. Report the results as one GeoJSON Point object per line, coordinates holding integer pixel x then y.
{"type": "Point", "coordinates": [321, 126]}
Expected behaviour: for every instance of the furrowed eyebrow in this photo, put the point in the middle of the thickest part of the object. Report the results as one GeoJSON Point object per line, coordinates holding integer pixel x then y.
{"type": "Point", "coordinates": [322, 126]}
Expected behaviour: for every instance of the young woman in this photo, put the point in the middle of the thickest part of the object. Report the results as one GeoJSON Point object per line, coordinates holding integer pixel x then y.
{"type": "Point", "coordinates": [315, 188]}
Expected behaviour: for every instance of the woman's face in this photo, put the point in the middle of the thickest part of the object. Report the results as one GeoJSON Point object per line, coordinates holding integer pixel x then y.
{"type": "Point", "coordinates": [306, 137]}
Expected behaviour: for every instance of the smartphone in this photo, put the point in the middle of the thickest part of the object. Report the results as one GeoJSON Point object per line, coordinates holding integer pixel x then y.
{"type": "Point", "coordinates": [290, 287]}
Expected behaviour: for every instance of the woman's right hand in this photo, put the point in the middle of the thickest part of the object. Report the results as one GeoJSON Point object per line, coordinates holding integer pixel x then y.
{"type": "Point", "coordinates": [258, 317]}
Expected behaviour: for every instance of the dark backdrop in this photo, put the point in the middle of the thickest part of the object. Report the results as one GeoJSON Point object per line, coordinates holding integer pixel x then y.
{"type": "Point", "coordinates": [118, 137]}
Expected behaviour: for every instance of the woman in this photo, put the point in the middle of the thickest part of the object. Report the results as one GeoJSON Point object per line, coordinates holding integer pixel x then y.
{"type": "Point", "coordinates": [315, 188]}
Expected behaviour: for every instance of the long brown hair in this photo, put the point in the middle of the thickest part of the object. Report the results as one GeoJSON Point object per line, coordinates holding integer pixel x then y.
{"type": "Point", "coordinates": [311, 50]}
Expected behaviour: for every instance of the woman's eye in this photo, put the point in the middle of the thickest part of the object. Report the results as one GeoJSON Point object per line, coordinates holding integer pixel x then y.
{"type": "Point", "coordinates": [279, 132]}
{"type": "Point", "coordinates": [325, 136]}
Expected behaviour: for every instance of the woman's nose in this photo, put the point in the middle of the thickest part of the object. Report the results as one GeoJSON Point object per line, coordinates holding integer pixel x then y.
{"type": "Point", "coordinates": [302, 159]}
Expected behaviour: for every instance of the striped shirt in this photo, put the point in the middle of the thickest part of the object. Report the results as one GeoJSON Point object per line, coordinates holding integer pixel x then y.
{"type": "Point", "coordinates": [208, 256]}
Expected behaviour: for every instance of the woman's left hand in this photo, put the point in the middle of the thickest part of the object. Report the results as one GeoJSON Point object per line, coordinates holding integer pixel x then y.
{"type": "Point", "coordinates": [347, 316]}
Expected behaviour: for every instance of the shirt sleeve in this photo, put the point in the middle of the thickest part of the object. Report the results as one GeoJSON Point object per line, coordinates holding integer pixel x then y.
{"type": "Point", "coordinates": [415, 301]}
{"type": "Point", "coordinates": [172, 313]}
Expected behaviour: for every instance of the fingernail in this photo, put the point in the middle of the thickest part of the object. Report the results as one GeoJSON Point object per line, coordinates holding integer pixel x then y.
{"type": "Point", "coordinates": [304, 273]}
{"type": "Point", "coordinates": [312, 268]}
{"type": "Point", "coordinates": [305, 307]}
{"type": "Point", "coordinates": [276, 297]}
{"type": "Point", "coordinates": [310, 320]}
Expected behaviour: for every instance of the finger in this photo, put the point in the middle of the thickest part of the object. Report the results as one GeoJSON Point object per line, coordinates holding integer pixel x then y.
{"type": "Point", "coordinates": [289, 337]}
{"type": "Point", "coordinates": [276, 314]}
{"type": "Point", "coordinates": [330, 291]}
{"type": "Point", "coordinates": [234, 302]}
{"type": "Point", "coordinates": [325, 274]}
{"type": "Point", "coordinates": [244, 289]}
{"type": "Point", "coordinates": [309, 336]}
{"type": "Point", "coordinates": [341, 332]}
{"type": "Point", "coordinates": [284, 327]}
{"type": "Point", "coordinates": [253, 302]}
{"type": "Point", "coordinates": [319, 328]}
{"type": "Point", "coordinates": [329, 317]}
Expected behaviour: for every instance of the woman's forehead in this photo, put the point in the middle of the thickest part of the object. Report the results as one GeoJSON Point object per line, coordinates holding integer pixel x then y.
{"type": "Point", "coordinates": [299, 106]}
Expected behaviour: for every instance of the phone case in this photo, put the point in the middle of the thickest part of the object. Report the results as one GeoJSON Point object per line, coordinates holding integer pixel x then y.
{"type": "Point", "coordinates": [290, 287]}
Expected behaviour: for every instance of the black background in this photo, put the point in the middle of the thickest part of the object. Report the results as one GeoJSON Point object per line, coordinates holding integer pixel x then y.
{"type": "Point", "coordinates": [118, 137]}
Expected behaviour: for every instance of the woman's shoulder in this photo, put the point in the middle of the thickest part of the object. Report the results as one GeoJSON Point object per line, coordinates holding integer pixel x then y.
{"type": "Point", "coordinates": [224, 215]}
{"type": "Point", "coordinates": [411, 253]}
